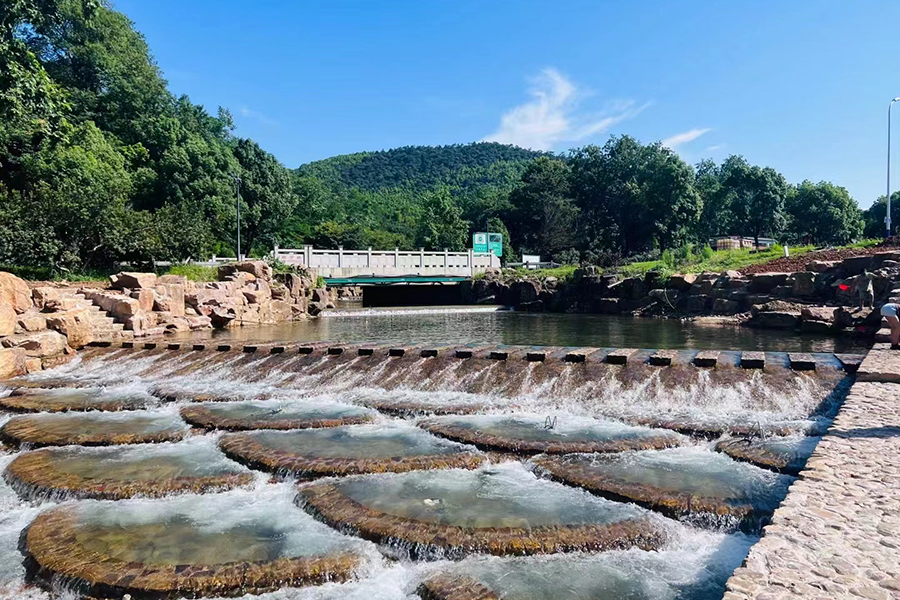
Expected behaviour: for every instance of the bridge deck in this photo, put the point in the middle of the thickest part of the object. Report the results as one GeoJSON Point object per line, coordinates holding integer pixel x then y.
{"type": "Point", "coordinates": [837, 534]}
{"type": "Point", "coordinates": [363, 280]}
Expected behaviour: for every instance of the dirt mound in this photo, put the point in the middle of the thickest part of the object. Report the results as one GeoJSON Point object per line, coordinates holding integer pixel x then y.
{"type": "Point", "coordinates": [798, 263]}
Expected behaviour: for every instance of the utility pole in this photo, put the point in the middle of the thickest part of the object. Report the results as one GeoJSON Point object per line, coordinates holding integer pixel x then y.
{"type": "Point", "coordinates": [887, 217]}
{"type": "Point", "coordinates": [237, 203]}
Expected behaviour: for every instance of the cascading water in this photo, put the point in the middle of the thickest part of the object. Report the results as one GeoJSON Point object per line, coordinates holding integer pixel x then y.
{"type": "Point", "coordinates": [259, 521]}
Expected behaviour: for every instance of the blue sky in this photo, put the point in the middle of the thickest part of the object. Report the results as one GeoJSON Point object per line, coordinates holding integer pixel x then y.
{"type": "Point", "coordinates": [801, 86]}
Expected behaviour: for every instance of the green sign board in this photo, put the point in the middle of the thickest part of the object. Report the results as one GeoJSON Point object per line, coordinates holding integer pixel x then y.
{"type": "Point", "coordinates": [488, 242]}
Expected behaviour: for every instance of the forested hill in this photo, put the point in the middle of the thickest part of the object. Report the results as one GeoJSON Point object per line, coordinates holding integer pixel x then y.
{"type": "Point", "coordinates": [418, 167]}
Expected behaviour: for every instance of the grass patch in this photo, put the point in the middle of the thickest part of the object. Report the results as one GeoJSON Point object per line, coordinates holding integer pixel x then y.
{"type": "Point", "coordinates": [194, 272]}
{"type": "Point", "coordinates": [714, 262]}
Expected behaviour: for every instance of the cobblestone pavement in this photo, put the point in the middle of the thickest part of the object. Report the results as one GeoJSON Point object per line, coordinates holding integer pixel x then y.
{"type": "Point", "coordinates": [837, 534]}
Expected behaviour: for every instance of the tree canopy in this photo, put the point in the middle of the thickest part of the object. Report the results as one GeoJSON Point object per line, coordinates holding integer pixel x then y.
{"type": "Point", "coordinates": [100, 162]}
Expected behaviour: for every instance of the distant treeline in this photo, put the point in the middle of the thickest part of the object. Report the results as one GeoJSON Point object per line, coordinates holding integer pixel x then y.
{"type": "Point", "coordinates": [100, 162]}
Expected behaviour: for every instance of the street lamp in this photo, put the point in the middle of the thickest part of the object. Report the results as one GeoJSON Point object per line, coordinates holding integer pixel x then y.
{"type": "Point", "coordinates": [887, 216]}
{"type": "Point", "coordinates": [237, 203]}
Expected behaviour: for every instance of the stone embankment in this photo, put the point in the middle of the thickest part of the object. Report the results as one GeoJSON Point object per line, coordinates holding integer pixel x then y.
{"type": "Point", "coordinates": [41, 327]}
{"type": "Point", "coordinates": [837, 534]}
{"type": "Point", "coordinates": [819, 299]}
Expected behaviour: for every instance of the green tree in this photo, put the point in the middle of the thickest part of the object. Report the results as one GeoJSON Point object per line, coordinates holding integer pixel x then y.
{"type": "Point", "coordinates": [267, 195]}
{"type": "Point", "coordinates": [822, 213]}
{"type": "Point", "coordinates": [874, 217]}
{"type": "Point", "coordinates": [756, 197]}
{"type": "Point", "coordinates": [442, 225]}
{"type": "Point", "coordinates": [542, 212]}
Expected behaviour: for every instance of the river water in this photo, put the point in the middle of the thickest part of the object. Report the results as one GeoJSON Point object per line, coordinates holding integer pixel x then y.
{"type": "Point", "coordinates": [466, 324]}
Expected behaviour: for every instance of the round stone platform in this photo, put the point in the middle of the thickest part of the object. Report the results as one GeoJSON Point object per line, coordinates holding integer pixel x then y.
{"type": "Point", "coordinates": [533, 434]}
{"type": "Point", "coordinates": [72, 399]}
{"type": "Point", "coordinates": [272, 414]}
{"type": "Point", "coordinates": [503, 510]}
{"type": "Point", "coordinates": [190, 546]}
{"type": "Point", "coordinates": [347, 450]}
{"type": "Point", "coordinates": [681, 481]}
{"type": "Point", "coordinates": [93, 429]}
{"type": "Point", "coordinates": [782, 454]}
{"type": "Point", "coordinates": [123, 472]}
{"type": "Point", "coordinates": [411, 403]}
{"type": "Point", "coordinates": [201, 393]}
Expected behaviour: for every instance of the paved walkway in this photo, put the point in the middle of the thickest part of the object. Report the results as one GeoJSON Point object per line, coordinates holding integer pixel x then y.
{"type": "Point", "coordinates": [837, 534]}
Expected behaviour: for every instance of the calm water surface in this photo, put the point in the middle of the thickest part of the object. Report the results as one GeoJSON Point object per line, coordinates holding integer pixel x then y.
{"type": "Point", "coordinates": [465, 325]}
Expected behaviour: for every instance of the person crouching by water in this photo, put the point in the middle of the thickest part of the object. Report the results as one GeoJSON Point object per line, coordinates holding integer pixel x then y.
{"type": "Point", "coordinates": [891, 312]}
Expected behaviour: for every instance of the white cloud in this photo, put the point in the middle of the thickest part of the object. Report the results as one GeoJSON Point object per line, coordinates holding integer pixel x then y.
{"type": "Point", "coordinates": [683, 138]}
{"type": "Point", "coordinates": [715, 148]}
{"type": "Point", "coordinates": [551, 117]}
{"type": "Point", "coordinates": [253, 114]}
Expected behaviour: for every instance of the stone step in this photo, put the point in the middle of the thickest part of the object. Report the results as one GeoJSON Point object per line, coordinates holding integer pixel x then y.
{"type": "Point", "coordinates": [883, 335]}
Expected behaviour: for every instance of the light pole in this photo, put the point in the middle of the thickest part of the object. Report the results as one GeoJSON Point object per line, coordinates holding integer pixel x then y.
{"type": "Point", "coordinates": [237, 203]}
{"type": "Point", "coordinates": [887, 216]}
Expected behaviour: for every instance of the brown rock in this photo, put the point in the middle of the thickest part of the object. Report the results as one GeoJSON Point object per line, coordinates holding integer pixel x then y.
{"type": "Point", "coordinates": [32, 365]}
{"type": "Point", "coordinates": [682, 283]}
{"type": "Point", "coordinates": [42, 344]}
{"type": "Point", "coordinates": [7, 318]}
{"type": "Point", "coordinates": [145, 298]}
{"type": "Point", "coordinates": [258, 268]}
{"type": "Point", "coordinates": [12, 362]}
{"type": "Point", "coordinates": [15, 292]}
{"type": "Point", "coordinates": [42, 295]}
{"type": "Point", "coordinates": [804, 284]}
{"type": "Point", "coordinates": [31, 322]}
{"type": "Point", "coordinates": [133, 281]}
{"type": "Point", "coordinates": [126, 307]}
{"type": "Point", "coordinates": [75, 325]}
{"type": "Point", "coordinates": [170, 298]}
{"type": "Point", "coordinates": [819, 313]}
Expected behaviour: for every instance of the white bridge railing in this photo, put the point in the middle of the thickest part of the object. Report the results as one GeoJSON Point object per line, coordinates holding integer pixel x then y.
{"type": "Point", "coordinates": [350, 263]}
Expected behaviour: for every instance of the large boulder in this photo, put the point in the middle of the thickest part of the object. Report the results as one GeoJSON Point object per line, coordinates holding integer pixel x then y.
{"type": "Point", "coordinates": [7, 318]}
{"type": "Point", "coordinates": [12, 362]}
{"type": "Point", "coordinates": [133, 281]}
{"type": "Point", "coordinates": [855, 265]}
{"type": "Point", "coordinates": [42, 344]}
{"type": "Point", "coordinates": [169, 297]}
{"type": "Point", "coordinates": [819, 313]}
{"type": "Point", "coordinates": [75, 325]}
{"type": "Point", "coordinates": [525, 291]}
{"type": "Point", "coordinates": [145, 297]}
{"type": "Point", "coordinates": [258, 268]}
{"type": "Point", "coordinates": [820, 266]}
{"type": "Point", "coordinates": [31, 322]}
{"type": "Point", "coordinates": [43, 295]}
{"type": "Point", "coordinates": [682, 283]}
{"type": "Point", "coordinates": [15, 292]}
{"type": "Point", "coordinates": [767, 282]}
{"type": "Point", "coordinates": [725, 307]}
{"type": "Point", "coordinates": [804, 284]}
{"type": "Point", "coordinates": [775, 320]}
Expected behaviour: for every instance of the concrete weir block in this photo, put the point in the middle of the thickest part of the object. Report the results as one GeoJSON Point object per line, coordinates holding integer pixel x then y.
{"type": "Point", "coordinates": [429, 353]}
{"type": "Point", "coordinates": [397, 352]}
{"type": "Point", "coordinates": [173, 347]}
{"type": "Point", "coordinates": [365, 351]}
{"type": "Point", "coordinates": [850, 362]}
{"type": "Point", "coordinates": [753, 360]}
{"type": "Point", "coordinates": [150, 345]}
{"type": "Point", "coordinates": [277, 350]}
{"type": "Point", "coordinates": [464, 353]}
{"type": "Point", "coordinates": [802, 361]}
{"type": "Point", "coordinates": [223, 347]}
{"type": "Point", "coordinates": [536, 356]}
{"type": "Point", "coordinates": [305, 350]}
{"type": "Point", "coordinates": [128, 344]}
{"type": "Point", "coordinates": [498, 355]}
{"type": "Point", "coordinates": [707, 358]}
{"type": "Point", "coordinates": [663, 358]}
{"type": "Point", "coordinates": [198, 347]}
{"type": "Point", "coordinates": [250, 349]}
{"type": "Point", "coordinates": [620, 356]}
{"type": "Point", "coordinates": [335, 351]}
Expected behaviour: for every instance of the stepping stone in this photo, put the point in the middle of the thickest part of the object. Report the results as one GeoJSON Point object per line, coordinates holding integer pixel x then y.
{"type": "Point", "coordinates": [620, 356]}
{"type": "Point", "coordinates": [501, 510]}
{"type": "Point", "coordinates": [220, 545]}
{"type": "Point", "coordinates": [121, 472]}
{"type": "Point", "coordinates": [781, 454]}
{"type": "Point", "coordinates": [273, 414]}
{"type": "Point", "coordinates": [533, 434]}
{"type": "Point", "coordinates": [707, 358]}
{"type": "Point", "coordinates": [347, 450]}
{"type": "Point", "coordinates": [850, 362]}
{"type": "Point", "coordinates": [663, 358]}
{"type": "Point", "coordinates": [73, 399]}
{"type": "Point", "coordinates": [93, 429]}
{"type": "Point", "coordinates": [802, 361]}
{"type": "Point", "coordinates": [753, 360]}
{"type": "Point", "coordinates": [579, 355]}
{"type": "Point", "coordinates": [676, 482]}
